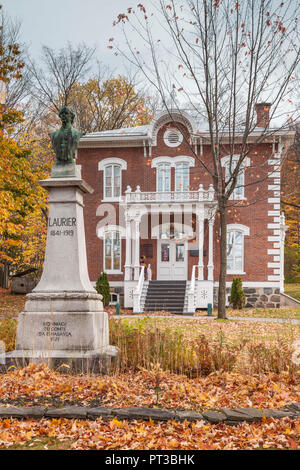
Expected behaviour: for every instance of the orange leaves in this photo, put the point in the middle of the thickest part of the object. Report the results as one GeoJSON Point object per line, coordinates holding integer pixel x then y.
{"type": "Point", "coordinates": [137, 435]}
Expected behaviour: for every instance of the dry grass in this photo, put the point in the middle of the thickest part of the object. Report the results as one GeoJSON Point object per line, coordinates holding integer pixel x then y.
{"type": "Point", "coordinates": [200, 347]}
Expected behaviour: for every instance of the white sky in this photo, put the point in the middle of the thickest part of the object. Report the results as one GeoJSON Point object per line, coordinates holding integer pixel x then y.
{"type": "Point", "coordinates": [55, 22]}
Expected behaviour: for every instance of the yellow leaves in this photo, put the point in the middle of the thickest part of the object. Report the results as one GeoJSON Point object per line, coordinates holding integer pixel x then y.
{"type": "Point", "coordinates": [275, 386]}
{"type": "Point", "coordinates": [115, 423]}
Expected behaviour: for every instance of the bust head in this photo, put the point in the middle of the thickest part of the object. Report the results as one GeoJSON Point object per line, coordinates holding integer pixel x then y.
{"type": "Point", "coordinates": [66, 115]}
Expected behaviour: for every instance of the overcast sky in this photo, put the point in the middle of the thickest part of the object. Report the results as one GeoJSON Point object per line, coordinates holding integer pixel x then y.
{"type": "Point", "coordinates": [55, 22]}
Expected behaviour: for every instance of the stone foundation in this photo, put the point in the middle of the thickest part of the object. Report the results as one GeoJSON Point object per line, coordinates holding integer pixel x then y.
{"type": "Point", "coordinates": [256, 297]}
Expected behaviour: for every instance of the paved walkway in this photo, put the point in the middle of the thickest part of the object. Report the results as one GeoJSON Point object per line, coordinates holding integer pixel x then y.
{"type": "Point", "coordinates": [191, 317]}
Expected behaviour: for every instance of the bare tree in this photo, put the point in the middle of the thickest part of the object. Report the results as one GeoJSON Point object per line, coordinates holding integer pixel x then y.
{"type": "Point", "coordinates": [222, 58]}
{"type": "Point", "coordinates": [54, 81]}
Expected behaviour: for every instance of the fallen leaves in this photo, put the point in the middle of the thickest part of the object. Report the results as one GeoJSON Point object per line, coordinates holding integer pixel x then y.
{"type": "Point", "coordinates": [218, 390]}
{"type": "Point", "coordinates": [137, 435]}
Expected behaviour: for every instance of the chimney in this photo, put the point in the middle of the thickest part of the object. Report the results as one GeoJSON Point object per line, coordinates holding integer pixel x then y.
{"type": "Point", "coordinates": [263, 114]}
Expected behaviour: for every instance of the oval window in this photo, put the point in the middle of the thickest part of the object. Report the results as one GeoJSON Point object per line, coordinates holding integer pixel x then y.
{"type": "Point", "coordinates": [173, 137]}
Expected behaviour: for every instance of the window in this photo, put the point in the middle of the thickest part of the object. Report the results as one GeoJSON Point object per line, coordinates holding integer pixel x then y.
{"type": "Point", "coordinates": [112, 252]}
{"type": "Point", "coordinates": [235, 248]}
{"type": "Point", "coordinates": [181, 177]}
{"type": "Point", "coordinates": [163, 167]}
{"type": "Point", "coordinates": [164, 177]}
{"type": "Point", "coordinates": [230, 164]}
{"type": "Point", "coordinates": [112, 181]}
{"type": "Point", "coordinates": [112, 177]}
{"type": "Point", "coordinates": [238, 192]}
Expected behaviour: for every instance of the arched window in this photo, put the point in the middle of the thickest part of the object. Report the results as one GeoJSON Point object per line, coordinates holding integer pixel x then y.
{"type": "Point", "coordinates": [163, 165]}
{"type": "Point", "coordinates": [235, 248]}
{"type": "Point", "coordinates": [112, 177]}
{"type": "Point", "coordinates": [112, 181]}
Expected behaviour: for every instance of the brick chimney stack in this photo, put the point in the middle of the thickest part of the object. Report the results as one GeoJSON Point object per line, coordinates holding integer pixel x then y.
{"type": "Point", "coordinates": [263, 114]}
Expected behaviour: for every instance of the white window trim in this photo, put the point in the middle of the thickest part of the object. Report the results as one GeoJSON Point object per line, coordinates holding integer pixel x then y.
{"type": "Point", "coordinates": [101, 167]}
{"type": "Point", "coordinates": [246, 162]}
{"type": "Point", "coordinates": [157, 175]}
{"type": "Point", "coordinates": [173, 160]}
{"type": "Point", "coordinates": [188, 183]}
{"type": "Point", "coordinates": [175, 131]}
{"type": "Point", "coordinates": [102, 231]}
{"type": "Point", "coordinates": [246, 232]}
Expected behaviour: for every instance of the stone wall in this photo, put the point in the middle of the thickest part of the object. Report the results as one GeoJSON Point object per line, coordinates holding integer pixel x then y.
{"type": "Point", "coordinates": [256, 297]}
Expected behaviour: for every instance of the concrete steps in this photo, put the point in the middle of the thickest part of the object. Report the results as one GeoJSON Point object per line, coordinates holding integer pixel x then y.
{"type": "Point", "coordinates": [165, 295]}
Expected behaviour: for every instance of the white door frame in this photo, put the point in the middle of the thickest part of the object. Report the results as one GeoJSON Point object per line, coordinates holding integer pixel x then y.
{"type": "Point", "coordinates": [172, 269]}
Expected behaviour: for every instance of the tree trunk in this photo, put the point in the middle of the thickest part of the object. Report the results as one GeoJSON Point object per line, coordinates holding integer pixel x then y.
{"type": "Point", "coordinates": [4, 270]}
{"type": "Point", "coordinates": [223, 261]}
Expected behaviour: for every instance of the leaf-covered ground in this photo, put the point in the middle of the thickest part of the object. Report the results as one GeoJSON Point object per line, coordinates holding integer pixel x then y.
{"type": "Point", "coordinates": [155, 387]}
{"type": "Point", "coordinates": [38, 385]}
{"type": "Point", "coordinates": [10, 305]}
{"type": "Point", "coordinates": [139, 435]}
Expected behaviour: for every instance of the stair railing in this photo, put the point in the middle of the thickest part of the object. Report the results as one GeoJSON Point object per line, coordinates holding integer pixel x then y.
{"type": "Point", "coordinates": [192, 291]}
{"type": "Point", "coordinates": [137, 293]}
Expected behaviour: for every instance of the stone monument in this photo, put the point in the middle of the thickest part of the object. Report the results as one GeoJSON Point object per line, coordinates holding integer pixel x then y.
{"type": "Point", "coordinates": [63, 321]}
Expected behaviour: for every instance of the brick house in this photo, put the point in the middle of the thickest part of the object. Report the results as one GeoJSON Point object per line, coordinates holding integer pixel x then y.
{"type": "Point", "coordinates": [153, 199]}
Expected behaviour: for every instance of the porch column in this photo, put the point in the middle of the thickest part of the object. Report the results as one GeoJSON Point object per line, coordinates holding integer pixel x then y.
{"type": "Point", "coordinates": [128, 263]}
{"type": "Point", "coordinates": [200, 218]}
{"type": "Point", "coordinates": [210, 265]}
{"type": "Point", "coordinates": [137, 248]}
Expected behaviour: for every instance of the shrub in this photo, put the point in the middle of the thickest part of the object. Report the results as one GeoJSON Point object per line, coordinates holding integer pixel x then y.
{"type": "Point", "coordinates": [102, 287]}
{"type": "Point", "coordinates": [237, 296]}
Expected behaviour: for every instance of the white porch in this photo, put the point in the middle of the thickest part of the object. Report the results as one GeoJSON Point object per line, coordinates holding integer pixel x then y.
{"type": "Point", "coordinates": [172, 256]}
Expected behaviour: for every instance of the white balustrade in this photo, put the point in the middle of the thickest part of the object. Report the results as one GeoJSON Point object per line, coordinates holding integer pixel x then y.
{"type": "Point", "coordinates": [137, 293]}
{"type": "Point", "coordinates": [192, 291]}
{"type": "Point", "coordinates": [168, 196]}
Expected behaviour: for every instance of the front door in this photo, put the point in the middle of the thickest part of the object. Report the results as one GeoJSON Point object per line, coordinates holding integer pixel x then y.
{"type": "Point", "coordinates": [172, 260]}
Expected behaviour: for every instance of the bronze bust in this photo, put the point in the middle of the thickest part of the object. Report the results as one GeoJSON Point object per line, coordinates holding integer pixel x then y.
{"type": "Point", "coordinates": [65, 140]}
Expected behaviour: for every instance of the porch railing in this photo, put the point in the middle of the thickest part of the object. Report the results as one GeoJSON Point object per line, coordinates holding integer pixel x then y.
{"type": "Point", "coordinates": [192, 291]}
{"type": "Point", "coordinates": [137, 293]}
{"type": "Point", "coordinates": [138, 196]}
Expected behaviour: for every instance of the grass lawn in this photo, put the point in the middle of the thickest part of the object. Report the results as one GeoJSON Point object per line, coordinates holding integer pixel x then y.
{"type": "Point", "coordinates": [293, 290]}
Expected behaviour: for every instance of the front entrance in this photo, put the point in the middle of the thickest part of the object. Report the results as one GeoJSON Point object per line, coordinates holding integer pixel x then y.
{"type": "Point", "coordinates": [172, 260]}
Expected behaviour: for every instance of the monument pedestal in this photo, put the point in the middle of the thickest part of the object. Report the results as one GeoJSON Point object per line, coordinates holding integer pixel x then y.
{"type": "Point", "coordinates": [63, 321]}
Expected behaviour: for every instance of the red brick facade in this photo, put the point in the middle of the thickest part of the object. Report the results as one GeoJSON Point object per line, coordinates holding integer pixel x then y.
{"type": "Point", "coordinates": [254, 212]}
